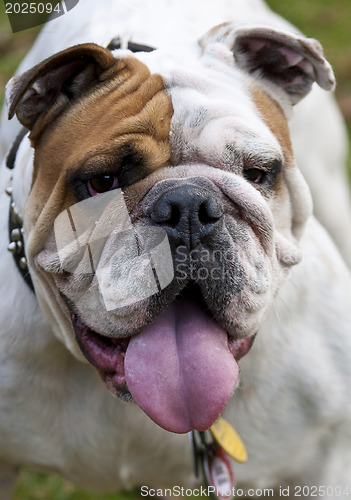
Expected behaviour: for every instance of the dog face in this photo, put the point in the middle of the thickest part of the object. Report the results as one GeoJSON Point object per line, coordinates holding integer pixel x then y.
{"type": "Point", "coordinates": [165, 207]}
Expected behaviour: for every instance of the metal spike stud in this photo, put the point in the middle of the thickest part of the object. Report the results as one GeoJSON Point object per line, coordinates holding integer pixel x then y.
{"type": "Point", "coordinates": [23, 263]}
{"type": "Point", "coordinates": [15, 215]}
{"type": "Point", "coordinates": [12, 247]}
{"type": "Point", "coordinates": [16, 234]}
{"type": "Point", "coordinates": [8, 191]}
{"type": "Point", "coordinates": [19, 218]}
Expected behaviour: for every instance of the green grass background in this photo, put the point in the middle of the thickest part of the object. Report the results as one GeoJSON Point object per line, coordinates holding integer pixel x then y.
{"type": "Point", "coordinates": [329, 22]}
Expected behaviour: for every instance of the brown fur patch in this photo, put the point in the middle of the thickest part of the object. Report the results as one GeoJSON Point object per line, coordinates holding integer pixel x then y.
{"type": "Point", "coordinates": [129, 108]}
{"type": "Point", "coordinates": [273, 116]}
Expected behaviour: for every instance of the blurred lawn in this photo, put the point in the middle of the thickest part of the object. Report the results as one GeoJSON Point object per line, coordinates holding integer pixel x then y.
{"type": "Point", "coordinates": [327, 21]}
{"type": "Point", "coordinates": [39, 486]}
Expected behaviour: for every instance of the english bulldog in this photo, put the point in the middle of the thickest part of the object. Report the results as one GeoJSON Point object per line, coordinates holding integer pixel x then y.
{"type": "Point", "coordinates": [169, 239]}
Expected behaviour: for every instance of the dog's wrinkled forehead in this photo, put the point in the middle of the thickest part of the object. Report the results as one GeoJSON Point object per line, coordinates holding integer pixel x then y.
{"type": "Point", "coordinates": [217, 108]}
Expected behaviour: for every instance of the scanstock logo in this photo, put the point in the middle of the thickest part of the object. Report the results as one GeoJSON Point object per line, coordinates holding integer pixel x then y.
{"type": "Point", "coordinates": [24, 15]}
{"type": "Point", "coordinates": [96, 240]}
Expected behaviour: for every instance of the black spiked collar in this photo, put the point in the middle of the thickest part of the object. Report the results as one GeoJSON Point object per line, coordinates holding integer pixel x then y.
{"type": "Point", "coordinates": [16, 240]}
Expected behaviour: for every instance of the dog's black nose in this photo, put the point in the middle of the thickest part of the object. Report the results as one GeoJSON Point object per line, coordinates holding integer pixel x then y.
{"type": "Point", "coordinates": [188, 213]}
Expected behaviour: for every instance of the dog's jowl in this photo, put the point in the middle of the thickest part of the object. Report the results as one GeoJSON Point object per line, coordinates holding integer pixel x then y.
{"type": "Point", "coordinates": [167, 230]}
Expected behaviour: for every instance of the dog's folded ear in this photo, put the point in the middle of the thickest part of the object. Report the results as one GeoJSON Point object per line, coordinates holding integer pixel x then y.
{"type": "Point", "coordinates": [287, 61]}
{"type": "Point", "coordinates": [43, 92]}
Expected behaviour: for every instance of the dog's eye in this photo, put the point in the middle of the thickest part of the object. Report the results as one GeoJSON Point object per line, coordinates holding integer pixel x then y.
{"type": "Point", "coordinates": [255, 175]}
{"type": "Point", "coordinates": [101, 184]}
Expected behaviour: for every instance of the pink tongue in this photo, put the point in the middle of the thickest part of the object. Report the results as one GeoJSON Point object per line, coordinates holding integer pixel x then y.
{"type": "Point", "coordinates": [180, 371]}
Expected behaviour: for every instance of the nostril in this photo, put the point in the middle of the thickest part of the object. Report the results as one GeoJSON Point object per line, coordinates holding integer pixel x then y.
{"type": "Point", "coordinates": [166, 213]}
{"type": "Point", "coordinates": [209, 212]}
{"type": "Point", "coordinates": [174, 217]}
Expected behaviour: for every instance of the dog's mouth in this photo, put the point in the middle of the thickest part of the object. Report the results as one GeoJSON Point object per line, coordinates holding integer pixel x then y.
{"type": "Point", "coordinates": [181, 369]}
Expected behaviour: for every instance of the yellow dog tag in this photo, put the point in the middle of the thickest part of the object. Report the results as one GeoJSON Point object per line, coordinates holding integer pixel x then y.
{"type": "Point", "coordinates": [229, 440]}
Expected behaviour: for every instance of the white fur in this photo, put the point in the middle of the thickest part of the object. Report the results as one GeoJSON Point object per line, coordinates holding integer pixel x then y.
{"type": "Point", "coordinates": [292, 407]}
